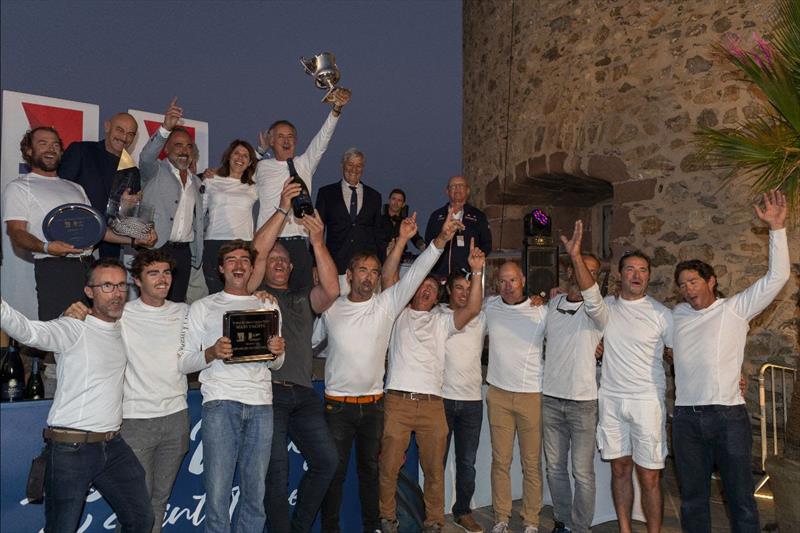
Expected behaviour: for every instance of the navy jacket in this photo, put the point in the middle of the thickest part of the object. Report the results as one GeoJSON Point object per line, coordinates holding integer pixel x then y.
{"type": "Point", "coordinates": [454, 258]}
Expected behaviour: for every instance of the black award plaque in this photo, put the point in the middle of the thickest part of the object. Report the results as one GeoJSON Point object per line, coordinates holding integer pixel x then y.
{"type": "Point", "coordinates": [249, 332]}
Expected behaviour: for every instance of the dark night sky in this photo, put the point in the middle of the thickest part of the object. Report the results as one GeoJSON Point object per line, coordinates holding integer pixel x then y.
{"type": "Point", "coordinates": [235, 65]}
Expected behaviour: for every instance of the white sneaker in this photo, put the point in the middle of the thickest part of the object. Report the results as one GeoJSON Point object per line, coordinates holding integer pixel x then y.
{"type": "Point", "coordinates": [530, 529]}
{"type": "Point", "coordinates": [500, 527]}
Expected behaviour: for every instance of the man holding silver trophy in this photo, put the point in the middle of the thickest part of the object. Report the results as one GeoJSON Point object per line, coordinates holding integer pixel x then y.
{"type": "Point", "coordinates": [272, 173]}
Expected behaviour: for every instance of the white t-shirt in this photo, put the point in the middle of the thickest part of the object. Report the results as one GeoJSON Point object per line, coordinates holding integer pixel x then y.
{"type": "Point", "coordinates": [358, 332]}
{"type": "Point", "coordinates": [229, 204]}
{"type": "Point", "coordinates": [570, 370]}
{"type": "Point", "coordinates": [635, 336]}
{"type": "Point", "coordinates": [516, 336]}
{"type": "Point", "coordinates": [416, 351]}
{"type": "Point", "coordinates": [709, 343]}
{"type": "Point", "coordinates": [153, 384]}
{"type": "Point", "coordinates": [248, 383]}
{"type": "Point", "coordinates": [271, 175]}
{"type": "Point", "coordinates": [91, 367]}
{"type": "Point", "coordinates": [32, 196]}
{"type": "Point", "coordinates": [463, 374]}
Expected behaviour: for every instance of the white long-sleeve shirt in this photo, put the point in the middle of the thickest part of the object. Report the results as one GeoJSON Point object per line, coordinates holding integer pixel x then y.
{"type": "Point", "coordinates": [570, 370]}
{"type": "Point", "coordinates": [229, 205]}
{"type": "Point", "coordinates": [358, 332]}
{"type": "Point", "coordinates": [91, 367]}
{"type": "Point", "coordinates": [248, 383]}
{"type": "Point", "coordinates": [463, 374]}
{"type": "Point", "coordinates": [709, 343]}
{"type": "Point", "coordinates": [416, 351]}
{"type": "Point", "coordinates": [271, 175]}
{"type": "Point", "coordinates": [635, 335]}
{"type": "Point", "coordinates": [516, 335]}
{"type": "Point", "coordinates": [154, 386]}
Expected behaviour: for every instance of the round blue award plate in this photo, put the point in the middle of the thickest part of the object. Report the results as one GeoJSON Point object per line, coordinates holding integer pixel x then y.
{"type": "Point", "coordinates": [80, 225]}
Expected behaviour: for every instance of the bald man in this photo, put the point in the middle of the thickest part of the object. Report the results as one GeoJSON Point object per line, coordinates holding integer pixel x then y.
{"type": "Point", "coordinates": [476, 226]}
{"type": "Point", "coordinates": [93, 165]}
{"type": "Point", "coordinates": [516, 334]}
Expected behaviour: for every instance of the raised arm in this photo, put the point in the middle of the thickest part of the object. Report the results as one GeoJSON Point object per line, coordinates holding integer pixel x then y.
{"type": "Point", "coordinates": [593, 300]}
{"type": "Point", "coordinates": [148, 158]}
{"type": "Point", "coordinates": [268, 233]}
{"type": "Point", "coordinates": [53, 336]}
{"type": "Point", "coordinates": [389, 272]}
{"type": "Point", "coordinates": [751, 301]}
{"type": "Point", "coordinates": [326, 292]}
{"type": "Point", "coordinates": [477, 260]}
{"type": "Point", "coordinates": [316, 149]}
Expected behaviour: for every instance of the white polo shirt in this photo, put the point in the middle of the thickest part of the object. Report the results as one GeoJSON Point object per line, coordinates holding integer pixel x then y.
{"type": "Point", "coordinates": [516, 335]}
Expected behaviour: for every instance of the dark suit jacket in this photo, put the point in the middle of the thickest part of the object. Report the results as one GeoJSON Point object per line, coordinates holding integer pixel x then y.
{"type": "Point", "coordinates": [345, 237]}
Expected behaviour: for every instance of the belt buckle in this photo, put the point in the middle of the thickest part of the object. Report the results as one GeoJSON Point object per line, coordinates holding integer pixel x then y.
{"type": "Point", "coordinates": [413, 396]}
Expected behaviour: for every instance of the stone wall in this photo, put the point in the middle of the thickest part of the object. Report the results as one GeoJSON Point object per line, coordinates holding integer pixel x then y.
{"type": "Point", "coordinates": [612, 90]}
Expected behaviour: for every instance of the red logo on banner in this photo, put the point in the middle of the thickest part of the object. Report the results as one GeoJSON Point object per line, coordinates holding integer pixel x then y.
{"type": "Point", "coordinates": [68, 122]}
{"type": "Point", "coordinates": [152, 126]}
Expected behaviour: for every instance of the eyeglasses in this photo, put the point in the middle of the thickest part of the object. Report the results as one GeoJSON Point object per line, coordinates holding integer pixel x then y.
{"type": "Point", "coordinates": [568, 311]}
{"type": "Point", "coordinates": [109, 287]}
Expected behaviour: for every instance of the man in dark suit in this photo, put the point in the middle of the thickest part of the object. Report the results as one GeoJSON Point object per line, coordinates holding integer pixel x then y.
{"type": "Point", "coordinates": [352, 214]}
{"type": "Point", "coordinates": [93, 166]}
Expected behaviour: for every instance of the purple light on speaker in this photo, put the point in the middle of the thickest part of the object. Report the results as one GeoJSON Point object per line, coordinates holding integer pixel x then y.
{"type": "Point", "coordinates": [541, 217]}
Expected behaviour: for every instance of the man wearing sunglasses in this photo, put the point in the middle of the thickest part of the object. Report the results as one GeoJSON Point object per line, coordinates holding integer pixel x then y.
{"type": "Point", "coordinates": [631, 429]}
{"type": "Point", "coordinates": [569, 401]}
{"type": "Point", "coordinates": [84, 445]}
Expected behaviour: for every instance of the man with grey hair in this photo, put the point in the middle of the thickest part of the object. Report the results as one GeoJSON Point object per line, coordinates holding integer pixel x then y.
{"type": "Point", "coordinates": [351, 211]}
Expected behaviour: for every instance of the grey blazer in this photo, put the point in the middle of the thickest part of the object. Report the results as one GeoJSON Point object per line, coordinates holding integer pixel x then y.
{"type": "Point", "coordinates": [161, 190]}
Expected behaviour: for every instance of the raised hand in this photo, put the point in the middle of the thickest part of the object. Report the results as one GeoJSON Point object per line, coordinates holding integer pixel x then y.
{"type": "Point", "coordinates": [408, 227]}
{"type": "Point", "coordinates": [573, 245]}
{"type": "Point", "coordinates": [340, 97]}
{"type": "Point", "coordinates": [290, 191]}
{"type": "Point", "coordinates": [774, 212]}
{"type": "Point", "coordinates": [476, 257]}
{"type": "Point", "coordinates": [450, 226]}
{"type": "Point", "coordinates": [172, 115]}
{"type": "Point", "coordinates": [315, 227]}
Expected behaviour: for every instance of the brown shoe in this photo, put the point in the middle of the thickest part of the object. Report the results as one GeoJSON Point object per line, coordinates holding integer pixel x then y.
{"type": "Point", "coordinates": [467, 523]}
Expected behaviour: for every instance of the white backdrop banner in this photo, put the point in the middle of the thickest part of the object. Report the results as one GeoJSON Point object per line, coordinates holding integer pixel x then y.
{"type": "Point", "coordinates": [75, 121]}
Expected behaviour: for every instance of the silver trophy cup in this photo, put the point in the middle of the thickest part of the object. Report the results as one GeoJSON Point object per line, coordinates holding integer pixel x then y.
{"type": "Point", "coordinates": [323, 69]}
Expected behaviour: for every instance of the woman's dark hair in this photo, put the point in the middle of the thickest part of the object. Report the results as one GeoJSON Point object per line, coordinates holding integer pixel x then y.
{"type": "Point", "coordinates": [225, 164]}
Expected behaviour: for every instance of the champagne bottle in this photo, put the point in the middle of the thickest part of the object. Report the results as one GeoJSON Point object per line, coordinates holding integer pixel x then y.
{"type": "Point", "coordinates": [34, 390]}
{"type": "Point", "coordinates": [301, 204]}
{"type": "Point", "coordinates": [12, 375]}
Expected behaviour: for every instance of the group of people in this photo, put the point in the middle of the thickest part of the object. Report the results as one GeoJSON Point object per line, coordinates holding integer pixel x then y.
{"type": "Point", "coordinates": [119, 419]}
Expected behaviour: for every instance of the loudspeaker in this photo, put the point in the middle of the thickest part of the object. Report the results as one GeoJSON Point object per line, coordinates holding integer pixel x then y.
{"type": "Point", "coordinates": [540, 264]}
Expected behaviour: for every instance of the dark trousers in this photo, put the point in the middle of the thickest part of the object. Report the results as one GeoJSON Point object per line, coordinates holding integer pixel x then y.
{"type": "Point", "coordinates": [112, 468]}
{"type": "Point", "coordinates": [211, 266]}
{"type": "Point", "coordinates": [59, 283]}
{"type": "Point", "coordinates": [182, 254]}
{"type": "Point", "coordinates": [364, 424]}
{"type": "Point", "coordinates": [464, 420]}
{"type": "Point", "coordinates": [297, 414]}
{"type": "Point", "coordinates": [708, 435]}
{"type": "Point", "coordinates": [302, 264]}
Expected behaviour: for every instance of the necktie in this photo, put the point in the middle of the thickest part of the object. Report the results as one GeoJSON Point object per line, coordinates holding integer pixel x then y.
{"type": "Point", "coordinates": [353, 202]}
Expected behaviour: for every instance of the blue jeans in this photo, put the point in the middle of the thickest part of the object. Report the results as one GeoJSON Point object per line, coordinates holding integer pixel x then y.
{"type": "Point", "coordinates": [114, 471]}
{"type": "Point", "coordinates": [297, 414]}
{"type": "Point", "coordinates": [234, 434]}
{"type": "Point", "coordinates": [708, 435]}
{"type": "Point", "coordinates": [570, 424]}
{"type": "Point", "coordinates": [464, 419]}
{"type": "Point", "coordinates": [364, 424]}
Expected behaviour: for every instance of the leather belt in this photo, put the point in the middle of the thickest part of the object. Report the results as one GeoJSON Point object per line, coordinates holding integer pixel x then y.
{"type": "Point", "coordinates": [177, 244]}
{"type": "Point", "coordinates": [283, 383]}
{"type": "Point", "coordinates": [414, 395]}
{"type": "Point", "coordinates": [370, 398]}
{"type": "Point", "coordinates": [75, 436]}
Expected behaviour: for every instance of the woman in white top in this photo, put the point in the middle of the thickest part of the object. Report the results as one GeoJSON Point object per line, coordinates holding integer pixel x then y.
{"type": "Point", "coordinates": [228, 200]}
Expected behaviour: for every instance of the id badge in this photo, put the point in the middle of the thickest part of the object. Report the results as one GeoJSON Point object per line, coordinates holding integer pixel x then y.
{"type": "Point", "coordinates": [460, 241]}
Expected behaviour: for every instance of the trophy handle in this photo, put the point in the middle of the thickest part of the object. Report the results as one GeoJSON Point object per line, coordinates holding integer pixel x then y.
{"type": "Point", "coordinates": [309, 65]}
